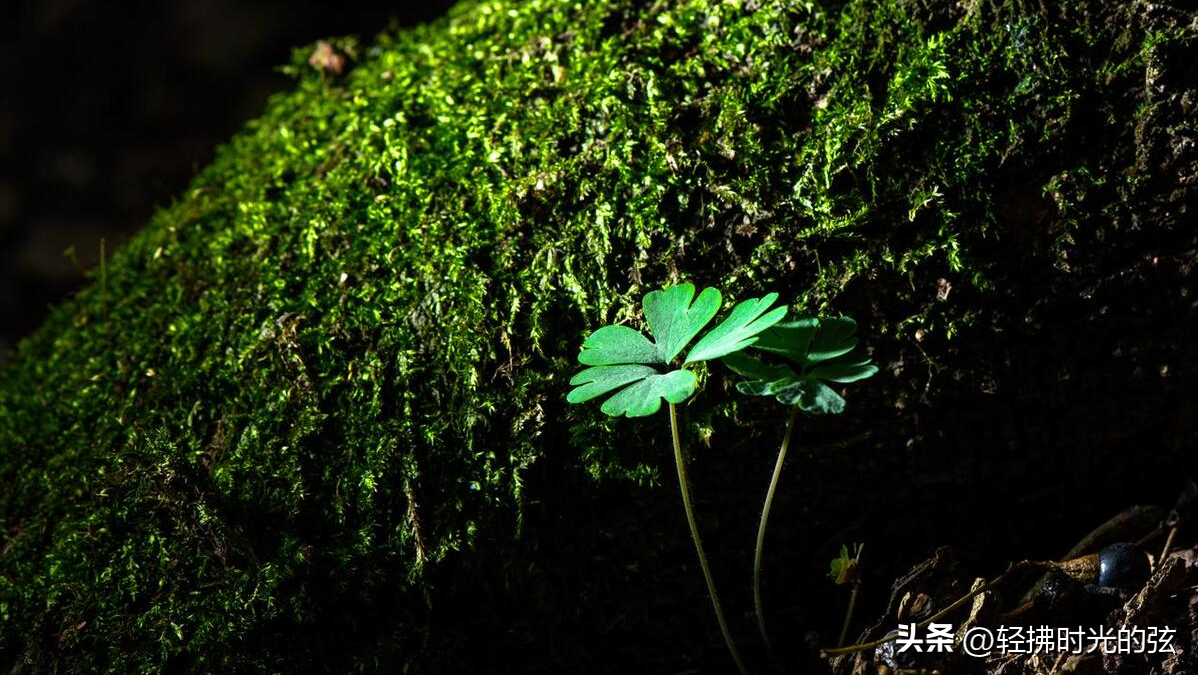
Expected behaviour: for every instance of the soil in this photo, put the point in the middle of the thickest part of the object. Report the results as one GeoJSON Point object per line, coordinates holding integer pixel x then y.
{"type": "Point", "coordinates": [1158, 614]}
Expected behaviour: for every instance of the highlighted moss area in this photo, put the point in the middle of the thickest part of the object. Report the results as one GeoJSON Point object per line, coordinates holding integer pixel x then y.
{"type": "Point", "coordinates": [312, 418]}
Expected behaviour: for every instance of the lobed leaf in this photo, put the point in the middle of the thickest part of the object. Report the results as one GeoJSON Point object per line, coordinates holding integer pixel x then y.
{"type": "Point", "coordinates": [812, 396]}
{"type": "Point", "coordinates": [756, 369]}
{"type": "Point", "coordinates": [844, 373]}
{"type": "Point", "coordinates": [765, 387]}
{"type": "Point", "coordinates": [612, 345]}
{"type": "Point", "coordinates": [821, 349]}
{"type": "Point", "coordinates": [834, 338]}
{"type": "Point", "coordinates": [674, 321]}
{"type": "Point", "coordinates": [619, 355]}
{"type": "Point", "coordinates": [599, 380]}
{"type": "Point", "coordinates": [739, 330]}
{"type": "Point", "coordinates": [789, 338]}
{"type": "Point", "coordinates": [644, 397]}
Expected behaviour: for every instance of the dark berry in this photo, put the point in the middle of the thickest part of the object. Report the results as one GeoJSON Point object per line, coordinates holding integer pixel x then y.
{"type": "Point", "coordinates": [1122, 566]}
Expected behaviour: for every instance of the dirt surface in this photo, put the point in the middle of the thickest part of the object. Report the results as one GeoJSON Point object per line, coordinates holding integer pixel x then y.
{"type": "Point", "coordinates": [1034, 619]}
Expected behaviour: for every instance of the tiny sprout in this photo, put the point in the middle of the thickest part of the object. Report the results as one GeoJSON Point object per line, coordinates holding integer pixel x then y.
{"type": "Point", "coordinates": [846, 569]}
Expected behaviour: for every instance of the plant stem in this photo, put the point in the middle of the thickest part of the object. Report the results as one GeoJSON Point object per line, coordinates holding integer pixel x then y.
{"type": "Point", "coordinates": [848, 617]}
{"type": "Point", "coordinates": [759, 553]}
{"type": "Point", "coordinates": [690, 519]}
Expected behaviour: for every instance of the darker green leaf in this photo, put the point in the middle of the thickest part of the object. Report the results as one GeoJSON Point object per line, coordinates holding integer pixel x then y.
{"type": "Point", "coordinates": [821, 352]}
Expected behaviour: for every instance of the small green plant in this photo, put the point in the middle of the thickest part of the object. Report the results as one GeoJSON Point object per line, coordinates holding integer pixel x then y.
{"type": "Point", "coordinates": [814, 352]}
{"type": "Point", "coordinates": [645, 371]}
{"type": "Point", "coordinates": [846, 569]}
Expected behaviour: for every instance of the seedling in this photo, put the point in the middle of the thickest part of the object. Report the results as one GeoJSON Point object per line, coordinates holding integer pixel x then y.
{"type": "Point", "coordinates": [646, 371]}
{"type": "Point", "coordinates": [814, 351]}
{"type": "Point", "coordinates": [846, 569]}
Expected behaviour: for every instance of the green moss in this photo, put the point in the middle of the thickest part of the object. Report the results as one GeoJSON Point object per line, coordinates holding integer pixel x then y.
{"type": "Point", "coordinates": [319, 375]}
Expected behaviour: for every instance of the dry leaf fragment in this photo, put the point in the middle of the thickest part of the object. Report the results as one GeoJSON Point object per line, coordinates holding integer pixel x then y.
{"type": "Point", "coordinates": [326, 59]}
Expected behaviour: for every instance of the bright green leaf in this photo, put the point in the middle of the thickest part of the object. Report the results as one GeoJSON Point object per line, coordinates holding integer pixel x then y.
{"type": "Point", "coordinates": [644, 397]}
{"type": "Point", "coordinates": [619, 355]}
{"type": "Point", "coordinates": [599, 380]}
{"type": "Point", "coordinates": [612, 345]}
{"type": "Point", "coordinates": [808, 340]}
{"type": "Point", "coordinates": [739, 330]}
{"type": "Point", "coordinates": [837, 566]}
{"type": "Point", "coordinates": [674, 321]}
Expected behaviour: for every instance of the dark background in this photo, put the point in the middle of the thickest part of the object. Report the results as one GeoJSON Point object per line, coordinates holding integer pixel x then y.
{"type": "Point", "coordinates": [108, 109]}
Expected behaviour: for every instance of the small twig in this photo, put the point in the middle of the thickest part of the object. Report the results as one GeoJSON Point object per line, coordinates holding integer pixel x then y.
{"type": "Point", "coordinates": [1168, 546]}
{"type": "Point", "coordinates": [1056, 665]}
{"type": "Point", "coordinates": [1015, 613]}
{"type": "Point", "coordinates": [413, 516]}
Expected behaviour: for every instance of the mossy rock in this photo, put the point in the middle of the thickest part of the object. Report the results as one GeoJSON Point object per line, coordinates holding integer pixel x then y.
{"type": "Point", "coordinates": [312, 418]}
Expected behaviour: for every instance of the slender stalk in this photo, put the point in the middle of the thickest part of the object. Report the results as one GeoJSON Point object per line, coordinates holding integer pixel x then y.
{"type": "Point", "coordinates": [848, 616]}
{"type": "Point", "coordinates": [759, 553]}
{"type": "Point", "coordinates": [690, 519]}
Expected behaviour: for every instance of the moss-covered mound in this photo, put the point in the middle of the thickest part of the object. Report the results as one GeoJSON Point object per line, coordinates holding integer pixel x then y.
{"type": "Point", "coordinates": [312, 418]}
